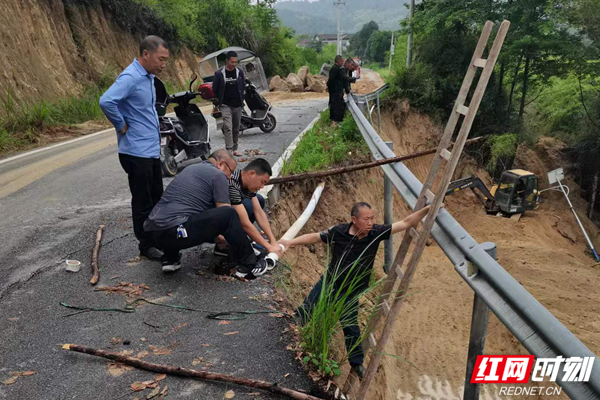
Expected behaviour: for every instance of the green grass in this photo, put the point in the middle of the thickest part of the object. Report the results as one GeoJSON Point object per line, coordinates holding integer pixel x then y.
{"type": "Point", "coordinates": [328, 315]}
{"type": "Point", "coordinates": [324, 146]}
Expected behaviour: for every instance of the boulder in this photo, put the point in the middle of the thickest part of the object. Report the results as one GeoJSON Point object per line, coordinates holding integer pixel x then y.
{"type": "Point", "coordinates": [295, 83]}
{"type": "Point", "coordinates": [302, 73]}
{"type": "Point", "coordinates": [317, 84]}
{"type": "Point", "coordinates": [310, 80]}
{"type": "Point", "coordinates": [278, 84]}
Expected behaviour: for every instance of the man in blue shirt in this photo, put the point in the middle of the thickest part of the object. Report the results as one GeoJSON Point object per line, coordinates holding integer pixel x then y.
{"type": "Point", "coordinates": [129, 105]}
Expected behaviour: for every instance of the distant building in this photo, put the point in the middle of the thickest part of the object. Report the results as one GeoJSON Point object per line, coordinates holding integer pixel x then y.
{"type": "Point", "coordinates": [327, 39]}
{"type": "Point", "coordinates": [304, 43]}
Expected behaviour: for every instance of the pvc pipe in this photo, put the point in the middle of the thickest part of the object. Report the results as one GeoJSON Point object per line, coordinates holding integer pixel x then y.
{"type": "Point", "coordinates": [299, 224]}
{"type": "Point", "coordinates": [578, 221]}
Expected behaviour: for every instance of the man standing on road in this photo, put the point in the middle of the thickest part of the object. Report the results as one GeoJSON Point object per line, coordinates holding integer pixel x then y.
{"type": "Point", "coordinates": [338, 82]}
{"type": "Point", "coordinates": [129, 105]}
{"type": "Point", "coordinates": [195, 209]}
{"type": "Point", "coordinates": [353, 250]}
{"type": "Point", "coordinates": [228, 86]}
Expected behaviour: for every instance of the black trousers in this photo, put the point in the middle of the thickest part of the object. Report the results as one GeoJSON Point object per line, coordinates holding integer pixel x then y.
{"type": "Point", "coordinates": [204, 228]}
{"type": "Point", "coordinates": [337, 106]}
{"type": "Point", "coordinates": [146, 186]}
{"type": "Point", "coordinates": [349, 323]}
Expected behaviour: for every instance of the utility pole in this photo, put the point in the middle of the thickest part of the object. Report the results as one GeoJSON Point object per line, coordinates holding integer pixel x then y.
{"type": "Point", "coordinates": [411, 14]}
{"type": "Point", "coordinates": [338, 4]}
{"type": "Point", "coordinates": [392, 51]}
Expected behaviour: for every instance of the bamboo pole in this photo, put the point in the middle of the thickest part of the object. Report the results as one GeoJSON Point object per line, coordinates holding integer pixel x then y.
{"type": "Point", "coordinates": [358, 167]}
{"type": "Point", "coordinates": [190, 373]}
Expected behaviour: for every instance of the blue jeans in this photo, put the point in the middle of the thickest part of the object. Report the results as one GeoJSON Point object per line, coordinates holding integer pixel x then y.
{"type": "Point", "coordinates": [250, 210]}
{"type": "Point", "coordinates": [350, 326]}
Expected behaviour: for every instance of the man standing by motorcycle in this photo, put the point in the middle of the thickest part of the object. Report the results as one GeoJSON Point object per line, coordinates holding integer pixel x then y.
{"type": "Point", "coordinates": [129, 105]}
{"type": "Point", "coordinates": [229, 86]}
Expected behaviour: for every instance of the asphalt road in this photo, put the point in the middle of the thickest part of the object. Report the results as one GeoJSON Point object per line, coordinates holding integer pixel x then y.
{"type": "Point", "coordinates": [51, 204]}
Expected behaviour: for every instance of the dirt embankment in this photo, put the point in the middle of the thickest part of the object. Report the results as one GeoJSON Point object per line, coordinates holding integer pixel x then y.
{"type": "Point", "coordinates": [545, 251]}
{"type": "Point", "coordinates": [50, 51]}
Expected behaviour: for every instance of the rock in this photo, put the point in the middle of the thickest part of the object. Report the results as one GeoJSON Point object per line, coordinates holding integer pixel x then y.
{"type": "Point", "coordinates": [295, 83]}
{"type": "Point", "coordinates": [310, 80]}
{"type": "Point", "coordinates": [278, 84]}
{"type": "Point", "coordinates": [325, 70]}
{"type": "Point", "coordinates": [302, 74]}
{"type": "Point", "coordinates": [566, 231]}
{"type": "Point", "coordinates": [316, 83]}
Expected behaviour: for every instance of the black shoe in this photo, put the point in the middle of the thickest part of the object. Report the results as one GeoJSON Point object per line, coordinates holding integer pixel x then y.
{"type": "Point", "coordinates": [171, 265]}
{"type": "Point", "coordinates": [151, 253]}
{"type": "Point", "coordinates": [220, 252]}
{"type": "Point", "coordinates": [359, 370]}
{"type": "Point", "coordinates": [259, 269]}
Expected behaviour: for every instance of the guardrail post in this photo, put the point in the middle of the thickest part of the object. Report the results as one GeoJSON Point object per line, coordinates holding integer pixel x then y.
{"type": "Point", "coordinates": [379, 116]}
{"type": "Point", "coordinates": [479, 323]}
{"type": "Point", "coordinates": [388, 217]}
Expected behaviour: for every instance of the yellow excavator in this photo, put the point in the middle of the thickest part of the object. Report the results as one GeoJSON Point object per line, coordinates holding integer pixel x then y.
{"type": "Point", "coordinates": [517, 192]}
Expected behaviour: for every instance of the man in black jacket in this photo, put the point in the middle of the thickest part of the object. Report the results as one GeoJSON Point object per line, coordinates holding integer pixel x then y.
{"type": "Point", "coordinates": [228, 86]}
{"type": "Point", "coordinates": [338, 82]}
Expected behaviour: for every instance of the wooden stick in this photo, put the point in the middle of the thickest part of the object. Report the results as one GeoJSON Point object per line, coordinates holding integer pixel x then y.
{"type": "Point", "coordinates": [190, 373]}
{"type": "Point", "coordinates": [95, 270]}
{"type": "Point", "coordinates": [352, 168]}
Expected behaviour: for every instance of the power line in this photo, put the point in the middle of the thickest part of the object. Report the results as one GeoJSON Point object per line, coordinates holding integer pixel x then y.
{"type": "Point", "coordinates": [350, 11]}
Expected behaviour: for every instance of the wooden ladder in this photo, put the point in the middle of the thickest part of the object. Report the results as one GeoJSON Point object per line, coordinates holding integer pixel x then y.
{"type": "Point", "coordinates": [446, 161]}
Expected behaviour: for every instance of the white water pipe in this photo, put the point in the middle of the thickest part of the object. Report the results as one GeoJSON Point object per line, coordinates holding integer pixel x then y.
{"type": "Point", "coordinates": [310, 208]}
{"type": "Point", "coordinates": [587, 238]}
{"type": "Point", "coordinates": [291, 233]}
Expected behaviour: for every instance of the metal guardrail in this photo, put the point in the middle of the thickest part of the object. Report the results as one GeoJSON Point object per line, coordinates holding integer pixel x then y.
{"type": "Point", "coordinates": [530, 322]}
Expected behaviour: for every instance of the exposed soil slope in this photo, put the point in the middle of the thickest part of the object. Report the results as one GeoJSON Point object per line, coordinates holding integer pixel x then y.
{"type": "Point", "coordinates": [545, 251]}
{"type": "Point", "coordinates": [49, 52]}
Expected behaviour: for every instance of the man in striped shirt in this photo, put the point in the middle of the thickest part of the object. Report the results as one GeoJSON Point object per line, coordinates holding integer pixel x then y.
{"type": "Point", "coordinates": [243, 187]}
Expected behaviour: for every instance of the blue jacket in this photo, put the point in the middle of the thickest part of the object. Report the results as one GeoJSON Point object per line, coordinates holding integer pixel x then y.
{"type": "Point", "coordinates": [218, 85]}
{"type": "Point", "coordinates": [131, 99]}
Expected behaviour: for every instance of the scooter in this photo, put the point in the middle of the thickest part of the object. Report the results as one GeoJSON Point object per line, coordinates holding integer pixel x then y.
{"type": "Point", "coordinates": [260, 116]}
{"type": "Point", "coordinates": [185, 137]}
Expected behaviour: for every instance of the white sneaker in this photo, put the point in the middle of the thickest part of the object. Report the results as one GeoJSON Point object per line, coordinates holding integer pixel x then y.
{"type": "Point", "coordinates": [259, 269]}
{"type": "Point", "coordinates": [171, 266]}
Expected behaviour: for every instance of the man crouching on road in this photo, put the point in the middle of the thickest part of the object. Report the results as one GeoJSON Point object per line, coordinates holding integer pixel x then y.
{"type": "Point", "coordinates": [195, 209]}
{"type": "Point", "coordinates": [353, 249]}
{"type": "Point", "coordinates": [243, 187]}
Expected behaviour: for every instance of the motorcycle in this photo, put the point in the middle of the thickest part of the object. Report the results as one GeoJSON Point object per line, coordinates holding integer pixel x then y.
{"type": "Point", "coordinates": [185, 137]}
{"type": "Point", "coordinates": [260, 115]}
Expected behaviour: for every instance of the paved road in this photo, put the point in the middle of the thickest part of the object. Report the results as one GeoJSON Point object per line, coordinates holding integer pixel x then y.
{"type": "Point", "coordinates": [51, 204]}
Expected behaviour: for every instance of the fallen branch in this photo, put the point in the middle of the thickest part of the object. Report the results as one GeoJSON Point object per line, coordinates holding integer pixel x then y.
{"type": "Point", "coordinates": [352, 168]}
{"type": "Point", "coordinates": [190, 373]}
{"type": "Point", "coordinates": [95, 270]}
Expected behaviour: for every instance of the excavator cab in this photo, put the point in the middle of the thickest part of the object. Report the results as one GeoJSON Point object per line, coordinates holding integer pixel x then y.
{"type": "Point", "coordinates": [517, 192]}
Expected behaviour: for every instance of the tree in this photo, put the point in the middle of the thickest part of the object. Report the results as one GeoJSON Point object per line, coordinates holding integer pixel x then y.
{"type": "Point", "coordinates": [540, 41]}
{"type": "Point", "coordinates": [377, 46]}
{"type": "Point", "coordinates": [358, 42]}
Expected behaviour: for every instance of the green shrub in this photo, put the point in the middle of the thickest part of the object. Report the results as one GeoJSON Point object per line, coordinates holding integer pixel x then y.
{"type": "Point", "coordinates": [502, 147]}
